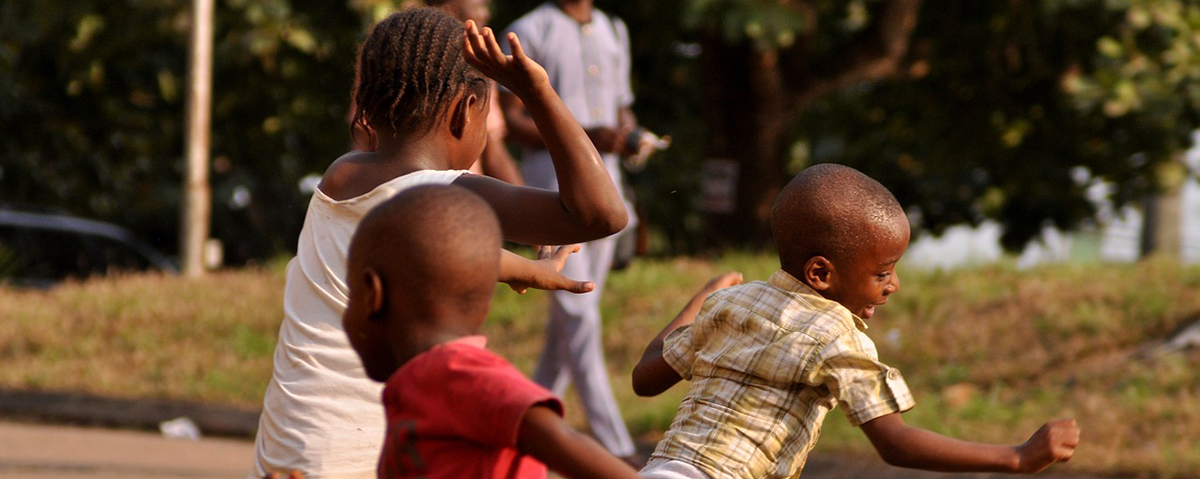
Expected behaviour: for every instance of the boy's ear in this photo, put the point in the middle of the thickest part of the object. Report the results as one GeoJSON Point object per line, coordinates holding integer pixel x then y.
{"type": "Point", "coordinates": [463, 114]}
{"type": "Point", "coordinates": [374, 292]}
{"type": "Point", "coordinates": [818, 273]}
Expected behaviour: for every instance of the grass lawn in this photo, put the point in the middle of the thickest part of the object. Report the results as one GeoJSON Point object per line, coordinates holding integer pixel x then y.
{"type": "Point", "coordinates": [990, 353]}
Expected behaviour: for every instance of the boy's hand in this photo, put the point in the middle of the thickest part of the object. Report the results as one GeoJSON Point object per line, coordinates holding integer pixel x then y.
{"type": "Point", "coordinates": [517, 72]}
{"type": "Point", "coordinates": [546, 273]}
{"type": "Point", "coordinates": [723, 281]}
{"type": "Point", "coordinates": [653, 375]}
{"type": "Point", "coordinates": [1053, 442]}
{"type": "Point", "coordinates": [717, 283]}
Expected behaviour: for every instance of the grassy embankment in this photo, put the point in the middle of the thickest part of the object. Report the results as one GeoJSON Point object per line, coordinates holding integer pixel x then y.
{"type": "Point", "coordinates": [990, 353]}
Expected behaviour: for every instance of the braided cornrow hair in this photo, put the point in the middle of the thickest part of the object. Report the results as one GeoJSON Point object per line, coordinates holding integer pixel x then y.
{"type": "Point", "coordinates": [410, 69]}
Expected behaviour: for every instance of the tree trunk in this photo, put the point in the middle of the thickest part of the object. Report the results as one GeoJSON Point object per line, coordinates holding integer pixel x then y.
{"type": "Point", "coordinates": [748, 122]}
{"type": "Point", "coordinates": [197, 197]}
{"type": "Point", "coordinates": [751, 110]}
{"type": "Point", "coordinates": [1161, 230]}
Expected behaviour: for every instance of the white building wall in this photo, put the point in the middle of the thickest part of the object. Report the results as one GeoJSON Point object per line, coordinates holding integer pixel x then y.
{"type": "Point", "coordinates": [1119, 242]}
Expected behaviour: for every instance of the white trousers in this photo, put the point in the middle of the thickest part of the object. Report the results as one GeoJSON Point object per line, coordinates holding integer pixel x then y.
{"type": "Point", "coordinates": [573, 351]}
{"type": "Point", "coordinates": [659, 468]}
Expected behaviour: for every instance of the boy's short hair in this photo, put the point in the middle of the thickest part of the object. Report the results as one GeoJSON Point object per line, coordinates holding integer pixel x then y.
{"type": "Point", "coordinates": [439, 243]}
{"type": "Point", "coordinates": [830, 210]}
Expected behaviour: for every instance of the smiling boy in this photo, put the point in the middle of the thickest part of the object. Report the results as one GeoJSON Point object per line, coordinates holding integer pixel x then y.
{"type": "Point", "coordinates": [768, 360]}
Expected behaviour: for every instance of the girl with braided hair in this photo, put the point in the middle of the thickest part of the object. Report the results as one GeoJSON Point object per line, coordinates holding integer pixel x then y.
{"type": "Point", "coordinates": [422, 97]}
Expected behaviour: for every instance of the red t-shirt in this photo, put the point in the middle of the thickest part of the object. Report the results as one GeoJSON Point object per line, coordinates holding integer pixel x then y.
{"type": "Point", "coordinates": [454, 412]}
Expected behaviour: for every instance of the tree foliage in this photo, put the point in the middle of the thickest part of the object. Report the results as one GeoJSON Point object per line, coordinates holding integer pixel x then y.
{"type": "Point", "coordinates": [92, 103]}
{"type": "Point", "coordinates": [968, 110]}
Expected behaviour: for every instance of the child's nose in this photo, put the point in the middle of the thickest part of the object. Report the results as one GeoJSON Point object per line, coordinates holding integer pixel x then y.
{"type": "Point", "coordinates": [894, 284]}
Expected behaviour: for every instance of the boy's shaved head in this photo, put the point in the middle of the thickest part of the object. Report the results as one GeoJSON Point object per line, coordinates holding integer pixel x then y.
{"type": "Point", "coordinates": [832, 210]}
{"type": "Point", "coordinates": [437, 247]}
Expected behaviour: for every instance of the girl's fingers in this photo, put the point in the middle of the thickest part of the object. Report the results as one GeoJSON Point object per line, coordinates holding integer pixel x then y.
{"type": "Point", "coordinates": [468, 49]}
{"type": "Point", "coordinates": [518, 53]}
{"type": "Point", "coordinates": [481, 49]}
{"type": "Point", "coordinates": [476, 45]}
{"type": "Point", "coordinates": [580, 287]}
{"type": "Point", "coordinates": [469, 34]}
{"type": "Point", "coordinates": [565, 251]}
{"type": "Point", "coordinates": [493, 47]}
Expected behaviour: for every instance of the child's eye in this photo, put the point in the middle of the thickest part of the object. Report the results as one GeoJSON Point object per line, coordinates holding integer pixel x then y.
{"type": "Point", "coordinates": [883, 275]}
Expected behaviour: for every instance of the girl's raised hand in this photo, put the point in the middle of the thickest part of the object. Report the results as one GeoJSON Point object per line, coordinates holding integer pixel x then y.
{"type": "Point", "coordinates": [517, 72]}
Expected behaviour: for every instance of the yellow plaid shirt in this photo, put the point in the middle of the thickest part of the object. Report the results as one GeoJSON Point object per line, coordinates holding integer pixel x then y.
{"type": "Point", "coordinates": [767, 361]}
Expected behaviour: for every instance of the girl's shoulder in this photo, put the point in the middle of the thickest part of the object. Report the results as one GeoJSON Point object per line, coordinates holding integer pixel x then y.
{"type": "Point", "coordinates": [350, 175]}
{"type": "Point", "coordinates": [355, 178]}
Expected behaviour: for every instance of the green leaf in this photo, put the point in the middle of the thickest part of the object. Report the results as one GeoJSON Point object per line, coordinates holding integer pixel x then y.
{"type": "Point", "coordinates": [1110, 47]}
{"type": "Point", "coordinates": [300, 38]}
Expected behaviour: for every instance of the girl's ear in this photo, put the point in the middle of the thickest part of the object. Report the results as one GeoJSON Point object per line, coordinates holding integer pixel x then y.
{"type": "Point", "coordinates": [463, 113]}
{"type": "Point", "coordinates": [818, 273]}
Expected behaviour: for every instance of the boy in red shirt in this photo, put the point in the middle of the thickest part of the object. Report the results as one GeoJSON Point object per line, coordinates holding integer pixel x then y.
{"type": "Point", "coordinates": [422, 269]}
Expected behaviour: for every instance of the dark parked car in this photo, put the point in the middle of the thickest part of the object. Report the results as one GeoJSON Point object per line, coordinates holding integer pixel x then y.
{"type": "Point", "coordinates": [40, 249]}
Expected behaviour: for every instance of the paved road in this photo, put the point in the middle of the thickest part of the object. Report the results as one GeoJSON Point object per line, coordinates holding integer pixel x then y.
{"type": "Point", "coordinates": [31, 451]}
{"type": "Point", "coordinates": [61, 452]}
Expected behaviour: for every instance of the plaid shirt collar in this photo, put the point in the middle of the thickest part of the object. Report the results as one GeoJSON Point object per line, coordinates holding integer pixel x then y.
{"type": "Point", "coordinates": [785, 281]}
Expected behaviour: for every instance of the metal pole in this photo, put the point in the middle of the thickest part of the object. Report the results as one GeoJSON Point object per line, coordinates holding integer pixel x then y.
{"type": "Point", "coordinates": [197, 201]}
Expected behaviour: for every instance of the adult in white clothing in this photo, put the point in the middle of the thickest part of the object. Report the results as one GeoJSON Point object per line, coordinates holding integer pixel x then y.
{"type": "Point", "coordinates": [586, 54]}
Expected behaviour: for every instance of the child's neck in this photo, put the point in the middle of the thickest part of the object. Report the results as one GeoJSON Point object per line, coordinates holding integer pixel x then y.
{"type": "Point", "coordinates": [799, 276]}
{"type": "Point", "coordinates": [424, 153]}
{"type": "Point", "coordinates": [416, 340]}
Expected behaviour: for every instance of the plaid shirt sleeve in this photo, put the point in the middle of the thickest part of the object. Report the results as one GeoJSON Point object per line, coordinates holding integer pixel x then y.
{"type": "Point", "coordinates": [678, 351]}
{"type": "Point", "coordinates": [865, 387]}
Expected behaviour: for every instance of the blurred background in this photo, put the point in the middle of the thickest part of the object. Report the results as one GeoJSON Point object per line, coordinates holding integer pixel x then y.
{"type": "Point", "coordinates": [1045, 151]}
{"type": "Point", "coordinates": [1062, 122]}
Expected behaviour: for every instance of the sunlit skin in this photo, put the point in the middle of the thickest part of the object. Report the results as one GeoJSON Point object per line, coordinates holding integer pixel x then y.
{"type": "Point", "coordinates": [421, 272]}
{"type": "Point", "coordinates": [842, 233]}
{"type": "Point", "coordinates": [586, 207]}
{"type": "Point", "coordinates": [866, 279]}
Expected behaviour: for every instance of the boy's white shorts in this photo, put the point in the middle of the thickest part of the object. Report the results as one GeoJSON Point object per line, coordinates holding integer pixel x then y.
{"type": "Point", "coordinates": [659, 468]}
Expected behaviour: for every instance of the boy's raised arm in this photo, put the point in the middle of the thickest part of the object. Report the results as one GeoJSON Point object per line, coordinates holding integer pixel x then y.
{"type": "Point", "coordinates": [653, 375]}
{"type": "Point", "coordinates": [587, 205]}
{"type": "Point", "coordinates": [545, 436]}
{"type": "Point", "coordinates": [902, 445]}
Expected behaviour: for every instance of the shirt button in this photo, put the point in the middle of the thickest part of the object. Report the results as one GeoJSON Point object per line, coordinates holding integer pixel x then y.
{"type": "Point", "coordinates": [593, 70]}
{"type": "Point", "coordinates": [586, 29]}
{"type": "Point", "coordinates": [595, 112]}
{"type": "Point", "coordinates": [893, 374]}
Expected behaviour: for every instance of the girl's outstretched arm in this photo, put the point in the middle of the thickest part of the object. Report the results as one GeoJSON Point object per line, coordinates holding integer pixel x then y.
{"type": "Point", "coordinates": [587, 205]}
{"type": "Point", "coordinates": [520, 273]}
